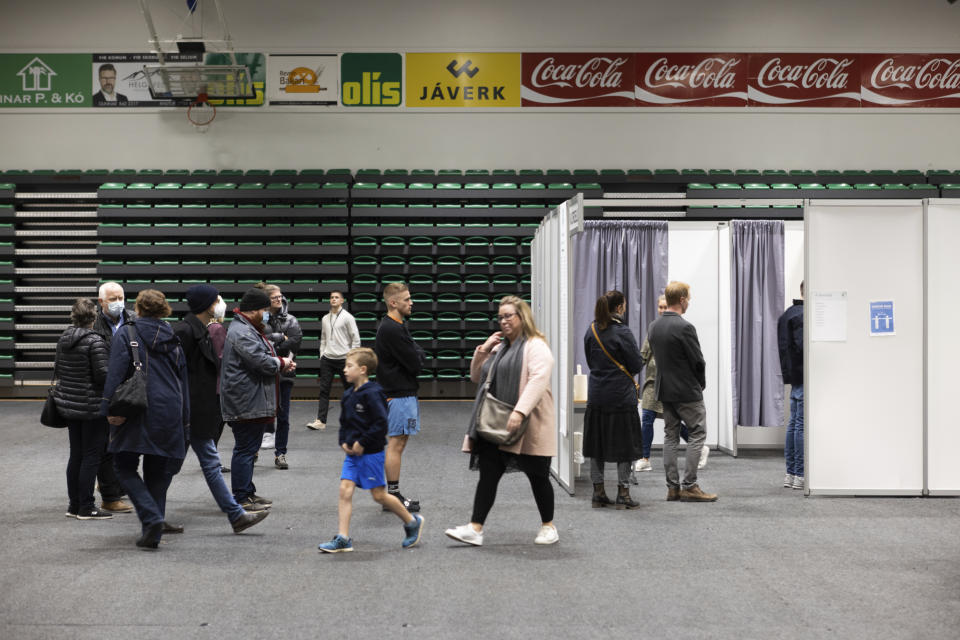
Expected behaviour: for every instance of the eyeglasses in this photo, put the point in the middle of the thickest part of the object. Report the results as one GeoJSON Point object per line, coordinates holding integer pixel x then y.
{"type": "Point", "coordinates": [505, 316]}
{"type": "Point", "coordinates": [279, 297]}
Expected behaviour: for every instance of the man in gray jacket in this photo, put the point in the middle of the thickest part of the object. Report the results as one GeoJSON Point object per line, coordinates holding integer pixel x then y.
{"type": "Point", "coordinates": [249, 376]}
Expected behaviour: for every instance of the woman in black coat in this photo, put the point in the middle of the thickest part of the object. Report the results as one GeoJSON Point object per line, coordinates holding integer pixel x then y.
{"type": "Point", "coordinates": [611, 424]}
{"type": "Point", "coordinates": [81, 368]}
{"type": "Point", "coordinates": [160, 432]}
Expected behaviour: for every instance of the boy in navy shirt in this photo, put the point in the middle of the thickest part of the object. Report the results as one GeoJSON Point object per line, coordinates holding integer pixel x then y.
{"type": "Point", "coordinates": [363, 436]}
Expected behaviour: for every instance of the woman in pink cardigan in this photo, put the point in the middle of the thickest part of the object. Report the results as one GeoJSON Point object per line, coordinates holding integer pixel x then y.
{"type": "Point", "coordinates": [522, 365]}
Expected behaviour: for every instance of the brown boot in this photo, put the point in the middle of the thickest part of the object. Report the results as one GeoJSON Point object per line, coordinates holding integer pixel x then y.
{"type": "Point", "coordinates": [673, 494]}
{"type": "Point", "coordinates": [117, 506]}
{"type": "Point", "coordinates": [695, 494]}
{"type": "Point", "coordinates": [624, 501]}
{"type": "Point", "coordinates": [600, 498]}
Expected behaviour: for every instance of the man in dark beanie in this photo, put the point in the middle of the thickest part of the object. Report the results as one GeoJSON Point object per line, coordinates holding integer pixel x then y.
{"type": "Point", "coordinates": [249, 379]}
{"type": "Point", "coordinates": [206, 424]}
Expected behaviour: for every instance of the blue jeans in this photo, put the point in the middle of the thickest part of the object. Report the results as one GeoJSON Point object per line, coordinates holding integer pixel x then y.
{"type": "Point", "coordinates": [209, 460]}
{"type": "Point", "coordinates": [793, 447]}
{"type": "Point", "coordinates": [283, 417]}
{"type": "Point", "coordinates": [646, 431]}
{"type": "Point", "coordinates": [149, 493]}
{"type": "Point", "coordinates": [247, 438]}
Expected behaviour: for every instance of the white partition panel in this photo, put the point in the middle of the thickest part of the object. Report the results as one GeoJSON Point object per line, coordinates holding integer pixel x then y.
{"type": "Point", "coordinates": [864, 394]}
{"type": "Point", "coordinates": [726, 429]}
{"type": "Point", "coordinates": [943, 347]}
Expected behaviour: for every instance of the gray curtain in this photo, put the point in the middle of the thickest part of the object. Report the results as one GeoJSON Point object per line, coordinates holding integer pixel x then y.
{"type": "Point", "coordinates": [757, 292]}
{"type": "Point", "coordinates": [628, 255]}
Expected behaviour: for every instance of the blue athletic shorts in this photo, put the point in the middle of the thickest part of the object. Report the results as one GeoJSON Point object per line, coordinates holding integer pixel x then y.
{"type": "Point", "coordinates": [365, 471]}
{"type": "Point", "coordinates": [403, 416]}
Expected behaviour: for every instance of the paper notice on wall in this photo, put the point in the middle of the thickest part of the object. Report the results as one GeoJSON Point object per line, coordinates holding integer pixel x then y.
{"type": "Point", "coordinates": [829, 316]}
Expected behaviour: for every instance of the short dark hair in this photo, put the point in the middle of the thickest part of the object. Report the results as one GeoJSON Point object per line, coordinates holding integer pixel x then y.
{"type": "Point", "coordinates": [106, 67]}
{"type": "Point", "coordinates": [83, 313]}
{"type": "Point", "coordinates": [342, 295]}
{"type": "Point", "coordinates": [152, 304]}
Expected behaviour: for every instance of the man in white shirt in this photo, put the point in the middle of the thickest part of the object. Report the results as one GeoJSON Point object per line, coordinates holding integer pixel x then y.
{"type": "Point", "coordinates": [338, 335]}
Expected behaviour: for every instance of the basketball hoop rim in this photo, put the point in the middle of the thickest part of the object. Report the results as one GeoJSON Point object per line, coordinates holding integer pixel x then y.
{"type": "Point", "coordinates": [201, 100]}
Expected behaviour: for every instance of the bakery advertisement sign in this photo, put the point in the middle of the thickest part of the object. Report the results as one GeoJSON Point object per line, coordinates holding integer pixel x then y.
{"type": "Point", "coordinates": [577, 80]}
{"type": "Point", "coordinates": [910, 80]}
{"type": "Point", "coordinates": [303, 79]}
{"type": "Point", "coordinates": [691, 79]}
{"type": "Point", "coordinates": [804, 80]}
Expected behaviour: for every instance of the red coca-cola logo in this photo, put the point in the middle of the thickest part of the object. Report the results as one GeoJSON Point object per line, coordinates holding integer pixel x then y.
{"type": "Point", "coordinates": [691, 79]}
{"type": "Point", "coordinates": [577, 79]}
{"type": "Point", "coordinates": [824, 80]}
{"type": "Point", "coordinates": [911, 80]}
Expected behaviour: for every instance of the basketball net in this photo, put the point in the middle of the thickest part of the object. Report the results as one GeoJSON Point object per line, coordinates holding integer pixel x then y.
{"type": "Point", "coordinates": [201, 113]}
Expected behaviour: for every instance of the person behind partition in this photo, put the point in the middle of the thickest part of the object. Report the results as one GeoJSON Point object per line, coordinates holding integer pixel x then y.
{"type": "Point", "coordinates": [81, 369]}
{"type": "Point", "coordinates": [107, 96]}
{"type": "Point", "coordinates": [401, 360]}
{"type": "Point", "coordinates": [790, 338]}
{"type": "Point", "coordinates": [520, 362]}
{"type": "Point", "coordinates": [338, 335]}
{"type": "Point", "coordinates": [159, 434]}
{"type": "Point", "coordinates": [611, 423]}
{"type": "Point", "coordinates": [681, 379]}
{"type": "Point", "coordinates": [363, 437]}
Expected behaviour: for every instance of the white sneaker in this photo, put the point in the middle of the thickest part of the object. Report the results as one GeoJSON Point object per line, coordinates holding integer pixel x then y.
{"type": "Point", "coordinates": [467, 534]}
{"type": "Point", "coordinates": [788, 481]}
{"type": "Point", "coordinates": [704, 454]}
{"type": "Point", "coordinates": [316, 425]}
{"type": "Point", "coordinates": [269, 441]}
{"type": "Point", "coordinates": [798, 482]}
{"type": "Point", "coordinates": [642, 465]}
{"type": "Point", "coordinates": [547, 535]}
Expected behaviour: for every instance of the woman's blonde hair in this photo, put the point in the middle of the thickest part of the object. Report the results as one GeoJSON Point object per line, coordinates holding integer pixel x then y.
{"type": "Point", "coordinates": [530, 329]}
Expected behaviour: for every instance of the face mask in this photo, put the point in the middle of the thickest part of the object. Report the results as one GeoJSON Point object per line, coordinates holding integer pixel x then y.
{"type": "Point", "coordinates": [220, 310]}
{"type": "Point", "coordinates": [115, 308]}
{"type": "Point", "coordinates": [266, 317]}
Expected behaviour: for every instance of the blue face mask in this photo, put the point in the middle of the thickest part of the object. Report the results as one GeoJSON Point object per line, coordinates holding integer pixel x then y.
{"type": "Point", "coordinates": [266, 317]}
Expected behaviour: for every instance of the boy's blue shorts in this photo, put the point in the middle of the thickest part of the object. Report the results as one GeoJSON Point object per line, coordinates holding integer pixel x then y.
{"type": "Point", "coordinates": [365, 471]}
{"type": "Point", "coordinates": [403, 416]}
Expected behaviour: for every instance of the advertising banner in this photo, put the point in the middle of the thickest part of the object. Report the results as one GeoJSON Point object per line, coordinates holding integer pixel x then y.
{"type": "Point", "coordinates": [371, 79]}
{"type": "Point", "coordinates": [44, 80]}
{"type": "Point", "coordinates": [910, 80]}
{"type": "Point", "coordinates": [691, 79]}
{"type": "Point", "coordinates": [463, 80]}
{"type": "Point", "coordinates": [256, 63]}
{"type": "Point", "coordinates": [119, 83]}
{"type": "Point", "coordinates": [302, 79]}
{"type": "Point", "coordinates": [577, 80]}
{"type": "Point", "coordinates": [803, 80]}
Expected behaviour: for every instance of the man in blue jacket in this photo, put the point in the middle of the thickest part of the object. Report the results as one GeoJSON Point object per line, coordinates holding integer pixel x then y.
{"type": "Point", "coordinates": [249, 376]}
{"type": "Point", "coordinates": [790, 338]}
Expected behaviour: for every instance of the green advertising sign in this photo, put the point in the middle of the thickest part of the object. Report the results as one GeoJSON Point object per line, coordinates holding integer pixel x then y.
{"type": "Point", "coordinates": [45, 80]}
{"type": "Point", "coordinates": [371, 79]}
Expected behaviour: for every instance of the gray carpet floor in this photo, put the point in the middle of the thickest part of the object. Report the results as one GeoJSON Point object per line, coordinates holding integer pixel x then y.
{"type": "Point", "coordinates": [762, 562]}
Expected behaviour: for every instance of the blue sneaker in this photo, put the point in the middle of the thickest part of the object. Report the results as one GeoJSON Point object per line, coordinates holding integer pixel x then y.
{"type": "Point", "coordinates": [337, 545]}
{"type": "Point", "coordinates": [413, 529]}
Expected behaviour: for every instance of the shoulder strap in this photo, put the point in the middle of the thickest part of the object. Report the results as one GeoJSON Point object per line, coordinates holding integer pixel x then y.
{"type": "Point", "coordinates": [134, 346]}
{"type": "Point", "coordinates": [612, 359]}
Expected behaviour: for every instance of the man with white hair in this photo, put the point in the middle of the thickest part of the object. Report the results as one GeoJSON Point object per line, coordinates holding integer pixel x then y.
{"type": "Point", "coordinates": [110, 318]}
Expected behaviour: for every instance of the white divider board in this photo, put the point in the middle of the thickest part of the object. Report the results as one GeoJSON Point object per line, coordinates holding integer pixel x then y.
{"type": "Point", "coordinates": [864, 396]}
{"type": "Point", "coordinates": [726, 428]}
{"type": "Point", "coordinates": [943, 346]}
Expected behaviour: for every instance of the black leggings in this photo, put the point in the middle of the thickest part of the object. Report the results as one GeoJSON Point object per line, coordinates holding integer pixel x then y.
{"type": "Point", "coordinates": [492, 467]}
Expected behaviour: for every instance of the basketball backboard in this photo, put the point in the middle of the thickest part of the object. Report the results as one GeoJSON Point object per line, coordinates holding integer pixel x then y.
{"type": "Point", "coordinates": [187, 81]}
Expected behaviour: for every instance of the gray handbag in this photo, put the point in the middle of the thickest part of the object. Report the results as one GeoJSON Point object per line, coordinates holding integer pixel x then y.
{"type": "Point", "coordinates": [493, 415]}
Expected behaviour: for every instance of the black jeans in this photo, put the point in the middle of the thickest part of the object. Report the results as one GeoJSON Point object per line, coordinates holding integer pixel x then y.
{"type": "Point", "coordinates": [88, 438]}
{"type": "Point", "coordinates": [328, 369]}
{"type": "Point", "coordinates": [148, 493]}
{"type": "Point", "coordinates": [110, 488]}
{"type": "Point", "coordinates": [492, 465]}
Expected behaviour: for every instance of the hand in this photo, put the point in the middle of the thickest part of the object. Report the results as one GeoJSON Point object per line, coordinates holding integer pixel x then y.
{"type": "Point", "coordinates": [346, 449]}
{"type": "Point", "coordinates": [491, 342]}
{"type": "Point", "coordinates": [513, 422]}
{"type": "Point", "coordinates": [116, 420]}
{"type": "Point", "coordinates": [357, 449]}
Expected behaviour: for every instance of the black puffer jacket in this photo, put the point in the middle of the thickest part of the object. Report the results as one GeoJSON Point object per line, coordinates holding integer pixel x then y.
{"type": "Point", "coordinates": [81, 369]}
{"type": "Point", "coordinates": [280, 325]}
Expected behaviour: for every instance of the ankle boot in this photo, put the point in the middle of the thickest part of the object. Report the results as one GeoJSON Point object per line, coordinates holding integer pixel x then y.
{"type": "Point", "coordinates": [624, 501]}
{"type": "Point", "coordinates": [600, 498]}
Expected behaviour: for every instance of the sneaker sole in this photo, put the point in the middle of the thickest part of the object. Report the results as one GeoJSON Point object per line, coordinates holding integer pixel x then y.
{"type": "Point", "coordinates": [699, 499]}
{"type": "Point", "coordinates": [104, 517]}
{"type": "Point", "coordinates": [347, 550]}
{"type": "Point", "coordinates": [546, 542]}
{"type": "Point", "coordinates": [70, 515]}
{"type": "Point", "coordinates": [459, 539]}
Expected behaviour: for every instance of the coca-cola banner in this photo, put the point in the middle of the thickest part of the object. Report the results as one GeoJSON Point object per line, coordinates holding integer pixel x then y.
{"type": "Point", "coordinates": [577, 80]}
{"type": "Point", "coordinates": [910, 80]}
{"type": "Point", "coordinates": [804, 80]}
{"type": "Point", "coordinates": [691, 80]}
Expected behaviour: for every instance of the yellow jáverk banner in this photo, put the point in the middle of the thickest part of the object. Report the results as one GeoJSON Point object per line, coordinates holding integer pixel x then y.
{"type": "Point", "coordinates": [463, 80]}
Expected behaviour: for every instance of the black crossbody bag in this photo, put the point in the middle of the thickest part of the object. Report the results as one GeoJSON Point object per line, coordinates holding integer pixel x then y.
{"type": "Point", "coordinates": [130, 397]}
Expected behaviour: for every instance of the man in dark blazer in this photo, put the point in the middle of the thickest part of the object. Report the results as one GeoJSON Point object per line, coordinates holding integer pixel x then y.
{"type": "Point", "coordinates": [206, 423]}
{"type": "Point", "coordinates": [681, 378]}
{"type": "Point", "coordinates": [107, 96]}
